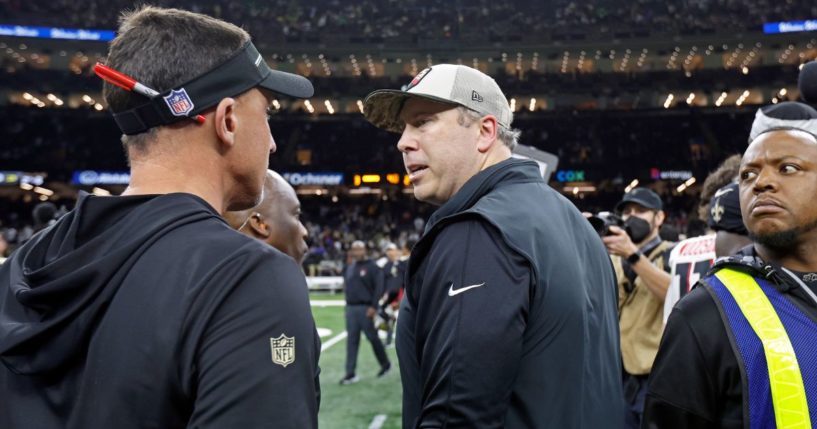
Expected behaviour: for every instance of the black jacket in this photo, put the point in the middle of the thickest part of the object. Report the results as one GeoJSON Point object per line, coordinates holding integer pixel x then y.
{"type": "Point", "coordinates": [509, 319]}
{"type": "Point", "coordinates": [150, 312]}
{"type": "Point", "coordinates": [696, 380]}
{"type": "Point", "coordinates": [363, 283]}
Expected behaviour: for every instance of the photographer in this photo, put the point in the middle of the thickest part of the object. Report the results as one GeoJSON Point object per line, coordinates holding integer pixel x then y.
{"type": "Point", "coordinates": [640, 260]}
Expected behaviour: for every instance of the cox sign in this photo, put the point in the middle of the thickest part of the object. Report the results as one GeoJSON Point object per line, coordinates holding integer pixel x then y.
{"type": "Point", "coordinates": [570, 176]}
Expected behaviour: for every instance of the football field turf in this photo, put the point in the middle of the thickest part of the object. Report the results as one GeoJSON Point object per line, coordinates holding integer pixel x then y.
{"type": "Point", "coordinates": [357, 405]}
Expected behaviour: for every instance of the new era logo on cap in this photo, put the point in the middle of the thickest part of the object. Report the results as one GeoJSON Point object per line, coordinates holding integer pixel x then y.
{"type": "Point", "coordinates": [475, 96]}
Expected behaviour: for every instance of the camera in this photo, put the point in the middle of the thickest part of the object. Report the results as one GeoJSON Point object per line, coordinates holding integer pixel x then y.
{"type": "Point", "coordinates": [602, 221]}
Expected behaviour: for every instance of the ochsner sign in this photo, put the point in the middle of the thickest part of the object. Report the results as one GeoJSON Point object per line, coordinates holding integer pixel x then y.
{"type": "Point", "coordinates": [319, 179]}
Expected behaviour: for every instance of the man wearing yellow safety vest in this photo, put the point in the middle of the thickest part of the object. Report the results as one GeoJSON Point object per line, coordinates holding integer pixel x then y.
{"type": "Point", "coordinates": [740, 350]}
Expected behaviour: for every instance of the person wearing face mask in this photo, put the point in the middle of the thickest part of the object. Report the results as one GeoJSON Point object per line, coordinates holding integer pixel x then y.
{"type": "Point", "coordinates": [640, 258]}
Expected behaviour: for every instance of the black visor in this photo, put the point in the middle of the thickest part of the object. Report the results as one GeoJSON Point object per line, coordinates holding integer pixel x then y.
{"type": "Point", "coordinates": [243, 71]}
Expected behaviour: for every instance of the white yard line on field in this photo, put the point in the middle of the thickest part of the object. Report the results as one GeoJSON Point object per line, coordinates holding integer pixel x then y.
{"type": "Point", "coordinates": [334, 340]}
{"type": "Point", "coordinates": [327, 303]}
{"type": "Point", "coordinates": [377, 421]}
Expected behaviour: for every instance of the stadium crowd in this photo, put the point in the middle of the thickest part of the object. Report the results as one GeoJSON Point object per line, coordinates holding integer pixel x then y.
{"type": "Point", "coordinates": [414, 20]}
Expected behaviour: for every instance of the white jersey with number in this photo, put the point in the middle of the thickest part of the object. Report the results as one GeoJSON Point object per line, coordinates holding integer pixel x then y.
{"type": "Point", "coordinates": [689, 262]}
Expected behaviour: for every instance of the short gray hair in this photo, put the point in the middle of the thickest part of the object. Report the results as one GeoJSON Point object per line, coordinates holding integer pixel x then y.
{"type": "Point", "coordinates": [508, 136]}
{"type": "Point", "coordinates": [163, 48]}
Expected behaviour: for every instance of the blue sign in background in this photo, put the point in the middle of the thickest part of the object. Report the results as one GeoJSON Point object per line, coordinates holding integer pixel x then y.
{"type": "Point", "coordinates": [790, 26]}
{"type": "Point", "coordinates": [57, 33]}
{"type": "Point", "coordinates": [93, 177]}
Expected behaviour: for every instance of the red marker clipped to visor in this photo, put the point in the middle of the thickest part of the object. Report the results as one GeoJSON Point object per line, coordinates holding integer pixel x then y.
{"type": "Point", "coordinates": [130, 84]}
{"type": "Point", "coordinates": [245, 70]}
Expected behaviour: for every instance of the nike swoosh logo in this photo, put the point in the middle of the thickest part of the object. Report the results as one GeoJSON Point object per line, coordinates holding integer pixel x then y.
{"type": "Point", "coordinates": [722, 192]}
{"type": "Point", "coordinates": [452, 291]}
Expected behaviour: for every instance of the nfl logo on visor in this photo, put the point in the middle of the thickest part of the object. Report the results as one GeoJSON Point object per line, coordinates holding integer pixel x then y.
{"type": "Point", "coordinates": [179, 102]}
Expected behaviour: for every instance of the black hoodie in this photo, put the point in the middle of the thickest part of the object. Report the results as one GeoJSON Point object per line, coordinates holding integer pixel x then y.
{"type": "Point", "coordinates": [150, 312]}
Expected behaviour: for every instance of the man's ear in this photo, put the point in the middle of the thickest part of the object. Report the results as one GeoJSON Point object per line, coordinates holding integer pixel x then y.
{"type": "Point", "coordinates": [488, 129]}
{"type": "Point", "coordinates": [226, 121]}
{"type": "Point", "coordinates": [258, 225]}
{"type": "Point", "coordinates": [660, 216]}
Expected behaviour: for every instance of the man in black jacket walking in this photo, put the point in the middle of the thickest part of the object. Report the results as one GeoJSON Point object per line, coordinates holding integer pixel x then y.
{"type": "Point", "coordinates": [363, 285]}
{"type": "Point", "coordinates": [509, 318]}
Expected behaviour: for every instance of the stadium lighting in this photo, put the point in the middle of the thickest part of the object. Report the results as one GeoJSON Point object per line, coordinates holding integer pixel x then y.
{"type": "Point", "coordinates": [690, 181]}
{"type": "Point", "coordinates": [783, 92]}
{"type": "Point", "coordinates": [775, 100]}
{"type": "Point", "coordinates": [43, 197]}
{"type": "Point", "coordinates": [329, 107]}
{"type": "Point", "coordinates": [365, 190]}
{"type": "Point", "coordinates": [86, 98]}
{"type": "Point", "coordinates": [668, 102]}
{"type": "Point", "coordinates": [742, 98]}
{"type": "Point", "coordinates": [745, 70]}
{"type": "Point", "coordinates": [59, 102]}
{"type": "Point", "coordinates": [532, 104]}
{"type": "Point", "coordinates": [513, 104]}
{"type": "Point", "coordinates": [51, 97]}
{"type": "Point", "coordinates": [309, 107]}
{"type": "Point", "coordinates": [43, 191]}
{"type": "Point", "coordinates": [631, 186]}
{"type": "Point", "coordinates": [26, 186]}
{"type": "Point", "coordinates": [721, 99]}
{"type": "Point", "coordinates": [360, 106]}
{"type": "Point", "coordinates": [276, 104]}
{"type": "Point", "coordinates": [98, 107]}
{"type": "Point", "coordinates": [691, 98]}
{"type": "Point", "coordinates": [27, 96]}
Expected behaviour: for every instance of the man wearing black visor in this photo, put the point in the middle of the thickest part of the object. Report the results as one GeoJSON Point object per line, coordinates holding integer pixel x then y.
{"type": "Point", "coordinates": [147, 309]}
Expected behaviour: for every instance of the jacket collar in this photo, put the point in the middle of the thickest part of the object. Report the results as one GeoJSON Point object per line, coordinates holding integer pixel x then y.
{"type": "Point", "coordinates": [506, 172]}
